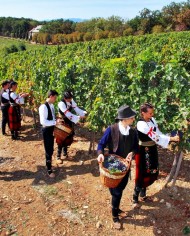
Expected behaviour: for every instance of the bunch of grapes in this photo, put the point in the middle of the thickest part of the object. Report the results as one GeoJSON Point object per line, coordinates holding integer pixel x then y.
{"type": "Point", "coordinates": [114, 165]}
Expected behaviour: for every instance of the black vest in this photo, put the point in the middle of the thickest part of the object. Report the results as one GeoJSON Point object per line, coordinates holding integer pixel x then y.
{"type": "Point", "coordinates": [122, 144]}
{"type": "Point", "coordinates": [4, 100]}
{"type": "Point", "coordinates": [50, 116]}
{"type": "Point", "coordinates": [10, 99]}
{"type": "Point", "coordinates": [70, 108]}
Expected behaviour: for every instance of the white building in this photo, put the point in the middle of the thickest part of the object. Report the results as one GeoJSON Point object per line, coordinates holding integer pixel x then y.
{"type": "Point", "coordinates": [34, 31]}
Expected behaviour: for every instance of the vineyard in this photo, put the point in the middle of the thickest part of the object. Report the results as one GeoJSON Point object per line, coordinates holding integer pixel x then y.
{"type": "Point", "coordinates": [108, 73]}
{"type": "Point", "coordinates": [104, 75]}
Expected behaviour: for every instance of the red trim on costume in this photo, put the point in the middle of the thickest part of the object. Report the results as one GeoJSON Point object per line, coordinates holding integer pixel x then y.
{"type": "Point", "coordinates": [16, 98]}
{"type": "Point", "coordinates": [150, 132]}
{"type": "Point", "coordinates": [66, 111]}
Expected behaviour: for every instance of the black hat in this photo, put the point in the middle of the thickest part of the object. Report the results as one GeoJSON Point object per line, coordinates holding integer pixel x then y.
{"type": "Point", "coordinates": [125, 112]}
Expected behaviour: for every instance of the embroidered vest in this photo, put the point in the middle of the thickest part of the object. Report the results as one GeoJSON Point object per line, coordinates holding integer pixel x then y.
{"type": "Point", "coordinates": [144, 137]}
{"type": "Point", "coordinates": [70, 108]}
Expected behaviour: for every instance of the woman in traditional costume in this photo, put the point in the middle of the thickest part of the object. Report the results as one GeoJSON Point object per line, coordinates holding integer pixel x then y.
{"type": "Point", "coordinates": [14, 109]}
{"type": "Point", "coordinates": [66, 107]}
{"type": "Point", "coordinates": [147, 164]}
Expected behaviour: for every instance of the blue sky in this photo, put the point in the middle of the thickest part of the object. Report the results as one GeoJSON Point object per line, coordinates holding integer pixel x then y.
{"type": "Point", "coordinates": [85, 9]}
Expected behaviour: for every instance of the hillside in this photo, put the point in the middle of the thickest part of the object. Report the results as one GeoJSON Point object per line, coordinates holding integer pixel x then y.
{"type": "Point", "coordinates": [76, 203]}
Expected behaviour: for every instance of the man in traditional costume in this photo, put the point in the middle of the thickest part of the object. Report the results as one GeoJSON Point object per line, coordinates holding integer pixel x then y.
{"type": "Point", "coordinates": [66, 106]}
{"type": "Point", "coordinates": [48, 121]}
{"type": "Point", "coordinates": [147, 165]}
{"type": "Point", "coordinates": [121, 140]}
{"type": "Point", "coordinates": [5, 105]}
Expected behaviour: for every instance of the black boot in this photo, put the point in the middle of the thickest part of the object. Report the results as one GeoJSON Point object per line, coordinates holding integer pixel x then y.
{"type": "Point", "coordinates": [136, 195]}
{"type": "Point", "coordinates": [59, 149]}
{"type": "Point", "coordinates": [143, 196]}
{"type": "Point", "coordinates": [13, 135]}
{"type": "Point", "coordinates": [65, 151]}
{"type": "Point", "coordinates": [115, 217]}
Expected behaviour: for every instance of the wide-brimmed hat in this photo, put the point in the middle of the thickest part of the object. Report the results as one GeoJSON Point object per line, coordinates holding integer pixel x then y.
{"type": "Point", "coordinates": [125, 112]}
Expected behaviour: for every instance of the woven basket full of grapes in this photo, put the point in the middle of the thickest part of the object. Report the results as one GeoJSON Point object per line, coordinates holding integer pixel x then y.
{"type": "Point", "coordinates": [112, 170]}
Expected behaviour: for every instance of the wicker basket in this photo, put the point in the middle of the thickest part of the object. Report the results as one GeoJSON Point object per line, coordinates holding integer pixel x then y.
{"type": "Point", "coordinates": [112, 180]}
{"type": "Point", "coordinates": [62, 131]}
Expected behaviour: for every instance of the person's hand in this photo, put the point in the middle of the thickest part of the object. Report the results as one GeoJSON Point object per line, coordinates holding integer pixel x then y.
{"type": "Point", "coordinates": [80, 124]}
{"type": "Point", "coordinates": [175, 138]}
{"type": "Point", "coordinates": [100, 158]}
{"type": "Point", "coordinates": [23, 95]}
{"type": "Point", "coordinates": [82, 117]}
{"type": "Point", "coordinates": [59, 121]}
{"type": "Point", "coordinates": [129, 157]}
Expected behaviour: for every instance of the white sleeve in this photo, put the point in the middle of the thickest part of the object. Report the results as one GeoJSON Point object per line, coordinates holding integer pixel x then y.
{"type": "Point", "coordinates": [62, 107]}
{"type": "Point", "coordinates": [43, 112]}
{"type": "Point", "coordinates": [79, 111]}
{"type": "Point", "coordinates": [17, 98]}
{"type": "Point", "coordinates": [67, 113]}
{"type": "Point", "coordinates": [156, 136]}
{"type": "Point", "coordinates": [5, 95]}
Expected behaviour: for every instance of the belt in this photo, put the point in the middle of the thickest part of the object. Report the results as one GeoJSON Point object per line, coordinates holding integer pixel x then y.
{"type": "Point", "coordinates": [47, 126]}
{"type": "Point", "coordinates": [14, 105]}
{"type": "Point", "coordinates": [5, 104]}
{"type": "Point", "coordinates": [147, 143]}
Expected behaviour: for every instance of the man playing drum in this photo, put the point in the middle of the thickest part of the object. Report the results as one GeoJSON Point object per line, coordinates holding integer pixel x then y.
{"type": "Point", "coordinates": [66, 105]}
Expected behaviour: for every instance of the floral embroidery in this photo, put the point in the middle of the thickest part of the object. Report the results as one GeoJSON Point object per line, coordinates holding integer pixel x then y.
{"type": "Point", "coordinates": [147, 161]}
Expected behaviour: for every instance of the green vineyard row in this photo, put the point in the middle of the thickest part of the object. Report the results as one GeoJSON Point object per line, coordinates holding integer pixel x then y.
{"type": "Point", "coordinates": [107, 73]}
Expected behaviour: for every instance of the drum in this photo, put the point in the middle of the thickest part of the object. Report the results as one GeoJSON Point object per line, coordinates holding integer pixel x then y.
{"type": "Point", "coordinates": [62, 131]}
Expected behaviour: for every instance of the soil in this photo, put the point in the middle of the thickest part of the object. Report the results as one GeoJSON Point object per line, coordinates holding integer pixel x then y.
{"type": "Point", "coordinates": [75, 202]}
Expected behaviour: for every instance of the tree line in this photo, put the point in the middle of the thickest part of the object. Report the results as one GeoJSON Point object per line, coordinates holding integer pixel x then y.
{"type": "Point", "coordinates": [173, 17]}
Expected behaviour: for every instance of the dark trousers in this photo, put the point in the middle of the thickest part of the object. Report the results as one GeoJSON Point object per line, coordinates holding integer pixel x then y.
{"type": "Point", "coordinates": [48, 138]}
{"type": "Point", "coordinates": [117, 194]}
{"type": "Point", "coordinates": [5, 117]}
{"type": "Point", "coordinates": [59, 150]}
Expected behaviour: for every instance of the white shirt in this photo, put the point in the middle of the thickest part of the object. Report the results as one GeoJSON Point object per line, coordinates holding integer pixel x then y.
{"type": "Point", "coordinates": [68, 114]}
{"type": "Point", "coordinates": [123, 130]}
{"type": "Point", "coordinates": [17, 98]}
{"type": "Point", "coordinates": [5, 95]}
{"type": "Point", "coordinates": [43, 112]}
{"type": "Point", "coordinates": [157, 136]}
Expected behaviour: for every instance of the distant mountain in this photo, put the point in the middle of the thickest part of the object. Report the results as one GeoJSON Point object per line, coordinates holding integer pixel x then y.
{"type": "Point", "coordinates": [77, 19]}
{"type": "Point", "coordinates": [72, 19]}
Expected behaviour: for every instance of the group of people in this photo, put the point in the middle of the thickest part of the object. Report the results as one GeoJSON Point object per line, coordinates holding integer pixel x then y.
{"type": "Point", "coordinates": [10, 107]}
{"type": "Point", "coordinates": [49, 120]}
{"type": "Point", "coordinates": [120, 138]}
{"type": "Point", "coordinates": [141, 143]}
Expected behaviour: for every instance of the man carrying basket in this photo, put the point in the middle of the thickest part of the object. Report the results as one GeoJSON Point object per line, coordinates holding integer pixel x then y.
{"type": "Point", "coordinates": [122, 141]}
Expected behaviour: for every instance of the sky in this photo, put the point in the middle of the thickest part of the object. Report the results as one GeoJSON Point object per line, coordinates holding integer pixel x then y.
{"type": "Point", "coordinates": [84, 9]}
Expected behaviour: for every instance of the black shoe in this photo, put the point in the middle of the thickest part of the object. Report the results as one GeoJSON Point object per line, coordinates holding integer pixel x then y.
{"type": "Point", "coordinates": [116, 223]}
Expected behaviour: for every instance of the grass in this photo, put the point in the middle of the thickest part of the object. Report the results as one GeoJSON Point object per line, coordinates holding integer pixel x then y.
{"type": "Point", "coordinates": [7, 42]}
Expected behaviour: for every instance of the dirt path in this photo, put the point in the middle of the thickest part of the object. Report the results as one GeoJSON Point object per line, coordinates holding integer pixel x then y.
{"type": "Point", "coordinates": [76, 203]}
